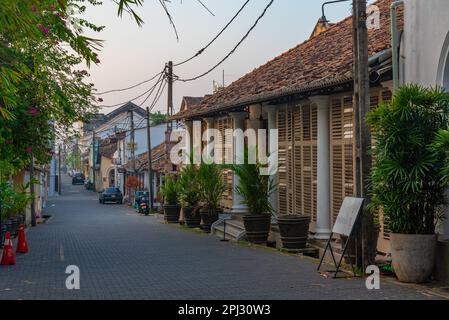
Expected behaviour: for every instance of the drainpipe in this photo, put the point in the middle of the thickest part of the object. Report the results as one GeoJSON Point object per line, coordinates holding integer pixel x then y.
{"type": "Point", "coordinates": [395, 41]}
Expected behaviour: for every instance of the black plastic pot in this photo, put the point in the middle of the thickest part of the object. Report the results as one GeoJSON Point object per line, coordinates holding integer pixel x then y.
{"type": "Point", "coordinates": [3, 233]}
{"type": "Point", "coordinates": [192, 217]}
{"type": "Point", "coordinates": [294, 231]}
{"type": "Point", "coordinates": [16, 221]}
{"type": "Point", "coordinates": [171, 213]}
{"type": "Point", "coordinates": [208, 217]}
{"type": "Point", "coordinates": [8, 224]}
{"type": "Point", "coordinates": [257, 228]}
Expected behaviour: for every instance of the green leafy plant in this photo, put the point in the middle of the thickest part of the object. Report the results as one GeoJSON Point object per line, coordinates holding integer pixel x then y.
{"type": "Point", "coordinates": [255, 188]}
{"type": "Point", "coordinates": [13, 202]}
{"type": "Point", "coordinates": [169, 190]}
{"type": "Point", "coordinates": [407, 178]}
{"type": "Point", "coordinates": [211, 185]}
{"type": "Point", "coordinates": [189, 189]}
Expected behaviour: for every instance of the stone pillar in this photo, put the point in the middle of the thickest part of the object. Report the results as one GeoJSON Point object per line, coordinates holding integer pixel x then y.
{"type": "Point", "coordinates": [210, 122]}
{"type": "Point", "coordinates": [272, 124]}
{"type": "Point", "coordinates": [323, 224]}
{"type": "Point", "coordinates": [189, 139]}
{"type": "Point", "coordinates": [238, 207]}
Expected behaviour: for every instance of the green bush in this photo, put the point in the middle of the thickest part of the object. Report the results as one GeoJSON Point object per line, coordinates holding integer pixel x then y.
{"type": "Point", "coordinates": [169, 190]}
{"type": "Point", "coordinates": [13, 202]}
{"type": "Point", "coordinates": [189, 189]}
{"type": "Point", "coordinates": [407, 178]}
{"type": "Point", "coordinates": [255, 188]}
{"type": "Point", "coordinates": [211, 185]}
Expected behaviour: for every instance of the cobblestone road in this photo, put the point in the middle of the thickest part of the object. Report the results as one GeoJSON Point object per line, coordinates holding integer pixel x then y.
{"type": "Point", "coordinates": [122, 255]}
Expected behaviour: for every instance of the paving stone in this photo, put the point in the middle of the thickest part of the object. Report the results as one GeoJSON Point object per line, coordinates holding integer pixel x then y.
{"type": "Point", "coordinates": [126, 256]}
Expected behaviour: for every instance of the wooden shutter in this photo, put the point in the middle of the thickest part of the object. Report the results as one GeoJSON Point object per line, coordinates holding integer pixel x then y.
{"type": "Point", "coordinates": [297, 125]}
{"type": "Point", "coordinates": [228, 176]}
{"type": "Point", "coordinates": [282, 132]}
{"type": "Point", "coordinates": [341, 135]}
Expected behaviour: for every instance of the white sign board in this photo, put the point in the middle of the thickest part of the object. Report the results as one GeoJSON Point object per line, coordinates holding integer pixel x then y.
{"type": "Point", "coordinates": [347, 216]}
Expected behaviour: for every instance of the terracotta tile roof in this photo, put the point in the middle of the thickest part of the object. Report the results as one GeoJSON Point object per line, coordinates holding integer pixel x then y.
{"type": "Point", "coordinates": [158, 157]}
{"type": "Point", "coordinates": [108, 146]}
{"type": "Point", "coordinates": [321, 61]}
{"type": "Point", "coordinates": [190, 104]}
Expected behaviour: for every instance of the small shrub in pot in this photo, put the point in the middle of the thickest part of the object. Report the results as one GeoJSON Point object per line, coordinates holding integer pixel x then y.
{"type": "Point", "coordinates": [212, 187]}
{"type": "Point", "coordinates": [255, 188]}
{"type": "Point", "coordinates": [189, 195]}
{"type": "Point", "coordinates": [408, 181]}
{"type": "Point", "coordinates": [169, 191]}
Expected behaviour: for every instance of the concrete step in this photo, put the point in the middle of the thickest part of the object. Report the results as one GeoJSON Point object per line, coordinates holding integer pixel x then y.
{"type": "Point", "coordinates": [235, 229]}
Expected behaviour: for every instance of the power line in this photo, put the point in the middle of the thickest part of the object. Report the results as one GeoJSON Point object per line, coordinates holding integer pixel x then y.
{"type": "Point", "coordinates": [149, 95]}
{"type": "Point", "coordinates": [131, 87]}
{"type": "Point", "coordinates": [158, 96]}
{"type": "Point", "coordinates": [215, 38]}
{"type": "Point", "coordinates": [139, 96]}
{"type": "Point", "coordinates": [233, 50]}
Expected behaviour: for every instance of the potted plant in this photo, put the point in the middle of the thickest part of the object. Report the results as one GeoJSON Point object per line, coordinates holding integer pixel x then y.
{"type": "Point", "coordinates": [294, 230]}
{"type": "Point", "coordinates": [255, 189]}
{"type": "Point", "coordinates": [212, 187]}
{"type": "Point", "coordinates": [13, 206]}
{"type": "Point", "coordinates": [169, 191]}
{"type": "Point", "coordinates": [407, 179]}
{"type": "Point", "coordinates": [189, 195]}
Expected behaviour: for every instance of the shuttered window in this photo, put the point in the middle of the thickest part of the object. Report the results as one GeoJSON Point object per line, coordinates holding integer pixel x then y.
{"type": "Point", "coordinates": [297, 125]}
{"type": "Point", "coordinates": [342, 134]}
{"type": "Point", "coordinates": [226, 150]}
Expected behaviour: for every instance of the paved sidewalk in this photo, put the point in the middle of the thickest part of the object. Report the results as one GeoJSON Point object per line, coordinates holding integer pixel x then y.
{"type": "Point", "coordinates": [122, 255]}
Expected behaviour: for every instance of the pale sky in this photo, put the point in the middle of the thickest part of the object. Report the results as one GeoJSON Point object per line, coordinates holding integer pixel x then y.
{"type": "Point", "coordinates": [132, 54]}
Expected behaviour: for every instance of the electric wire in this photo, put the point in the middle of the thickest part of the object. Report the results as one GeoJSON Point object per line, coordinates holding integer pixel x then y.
{"type": "Point", "coordinates": [216, 37]}
{"type": "Point", "coordinates": [131, 87]}
{"type": "Point", "coordinates": [233, 50]}
{"type": "Point", "coordinates": [135, 98]}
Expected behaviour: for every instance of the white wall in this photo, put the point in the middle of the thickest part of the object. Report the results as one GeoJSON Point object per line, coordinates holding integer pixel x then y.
{"type": "Point", "coordinates": [140, 138]}
{"type": "Point", "coordinates": [425, 46]}
{"type": "Point", "coordinates": [425, 51]}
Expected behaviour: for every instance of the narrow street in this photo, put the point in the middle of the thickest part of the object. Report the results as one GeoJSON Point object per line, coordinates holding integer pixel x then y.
{"type": "Point", "coordinates": [122, 255]}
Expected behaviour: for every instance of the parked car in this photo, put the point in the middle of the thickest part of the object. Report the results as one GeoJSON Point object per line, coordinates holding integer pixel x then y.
{"type": "Point", "coordinates": [78, 178]}
{"type": "Point", "coordinates": [110, 195]}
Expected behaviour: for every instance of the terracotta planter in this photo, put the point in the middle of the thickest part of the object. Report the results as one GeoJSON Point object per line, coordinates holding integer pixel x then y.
{"type": "Point", "coordinates": [294, 231]}
{"type": "Point", "coordinates": [257, 228]}
{"type": "Point", "coordinates": [208, 217]}
{"type": "Point", "coordinates": [171, 213]}
{"type": "Point", "coordinates": [413, 256]}
{"type": "Point", "coordinates": [192, 217]}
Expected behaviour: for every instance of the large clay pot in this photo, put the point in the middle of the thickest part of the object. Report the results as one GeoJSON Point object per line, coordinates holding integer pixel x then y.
{"type": "Point", "coordinates": [257, 227]}
{"type": "Point", "coordinates": [192, 217]}
{"type": "Point", "coordinates": [171, 213]}
{"type": "Point", "coordinates": [208, 217]}
{"type": "Point", "coordinates": [413, 256]}
{"type": "Point", "coordinates": [294, 230]}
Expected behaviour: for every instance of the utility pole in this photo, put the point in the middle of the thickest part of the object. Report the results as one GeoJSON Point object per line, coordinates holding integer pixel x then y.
{"type": "Point", "coordinates": [362, 134]}
{"type": "Point", "coordinates": [169, 68]}
{"type": "Point", "coordinates": [94, 160]}
{"type": "Point", "coordinates": [170, 96]}
{"type": "Point", "coordinates": [133, 151]}
{"type": "Point", "coordinates": [33, 198]}
{"type": "Point", "coordinates": [150, 160]}
{"type": "Point", "coordinates": [59, 170]}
